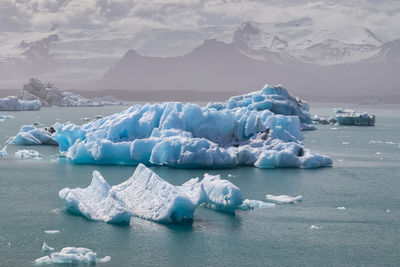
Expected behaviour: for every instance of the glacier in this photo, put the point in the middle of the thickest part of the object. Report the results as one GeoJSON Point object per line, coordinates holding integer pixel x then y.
{"type": "Point", "coordinates": [178, 135]}
{"type": "Point", "coordinates": [13, 103]}
{"type": "Point", "coordinates": [148, 196]}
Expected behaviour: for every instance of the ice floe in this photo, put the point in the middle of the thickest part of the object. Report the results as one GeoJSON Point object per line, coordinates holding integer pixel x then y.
{"type": "Point", "coordinates": [30, 135]}
{"type": "Point", "coordinates": [341, 208]}
{"type": "Point", "coordinates": [249, 204]}
{"type": "Point", "coordinates": [5, 117]}
{"type": "Point", "coordinates": [13, 103]}
{"type": "Point", "coordinates": [72, 255]}
{"type": "Point", "coordinates": [315, 227]}
{"type": "Point", "coordinates": [50, 232]}
{"type": "Point", "coordinates": [46, 247]}
{"type": "Point", "coordinates": [28, 154]}
{"type": "Point", "coordinates": [283, 199]}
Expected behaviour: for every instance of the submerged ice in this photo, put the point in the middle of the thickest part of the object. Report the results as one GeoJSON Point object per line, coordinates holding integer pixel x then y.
{"type": "Point", "coordinates": [148, 196]}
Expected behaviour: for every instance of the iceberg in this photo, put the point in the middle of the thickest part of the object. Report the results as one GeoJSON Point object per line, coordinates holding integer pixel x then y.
{"type": "Point", "coordinates": [244, 132]}
{"type": "Point", "coordinates": [13, 103]}
{"type": "Point", "coordinates": [72, 255]}
{"type": "Point", "coordinates": [49, 95]}
{"type": "Point", "coordinates": [28, 154]}
{"type": "Point", "coordinates": [356, 119]}
{"type": "Point", "coordinates": [283, 199]}
{"type": "Point", "coordinates": [347, 117]}
{"type": "Point", "coordinates": [148, 196]}
{"type": "Point", "coordinates": [276, 99]}
{"type": "Point", "coordinates": [30, 135]}
{"type": "Point", "coordinates": [178, 135]}
{"type": "Point", "coordinates": [95, 202]}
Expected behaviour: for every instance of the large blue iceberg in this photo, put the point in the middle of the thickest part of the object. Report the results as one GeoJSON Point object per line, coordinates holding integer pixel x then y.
{"type": "Point", "coordinates": [181, 135]}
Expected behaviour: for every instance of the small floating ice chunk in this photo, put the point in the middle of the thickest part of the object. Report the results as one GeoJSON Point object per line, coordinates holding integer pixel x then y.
{"type": "Point", "coordinates": [46, 247]}
{"type": "Point", "coordinates": [28, 154]}
{"type": "Point", "coordinates": [379, 153]}
{"type": "Point", "coordinates": [105, 259]}
{"type": "Point", "coordinates": [72, 255]}
{"type": "Point", "coordinates": [315, 227]}
{"type": "Point", "coordinates": [283, 199]}
{"type": "Point", "coordinates": [249, 204]}
{"type": "Point", "coordinates": [387, 211]}
{"type": "Point", "coordinates": [341, 208]}
{"type": "Point", "coordinates": [50, 232]}
{"type": "Point", "coordinates": [345, 143]}
{"type": "Point", "coordinates": [95, 202]}
{"type": "Point", "coordinates": [43, 260]}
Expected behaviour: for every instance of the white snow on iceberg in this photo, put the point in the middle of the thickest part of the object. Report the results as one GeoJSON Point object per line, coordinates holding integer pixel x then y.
{"type": "Point", "coordinates": [95, 202]}
{"type": "Point", "coordinates": [283, 199]}
{"type": "Point", "coordinates": [12, 103]}
{"type": "Point", "coordinates": [148, 196]}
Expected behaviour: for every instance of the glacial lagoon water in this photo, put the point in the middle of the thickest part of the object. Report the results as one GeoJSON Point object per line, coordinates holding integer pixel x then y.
{"type": "Point", "coordinates": [365, 179]}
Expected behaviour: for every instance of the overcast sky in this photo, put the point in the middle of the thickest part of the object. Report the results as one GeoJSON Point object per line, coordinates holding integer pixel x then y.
{"type": "Point", "coordinates": [382, 17]}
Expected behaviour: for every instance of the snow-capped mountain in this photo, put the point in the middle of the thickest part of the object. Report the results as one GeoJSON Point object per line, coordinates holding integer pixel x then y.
{"type": "Point", "coordinates": [79, 58]}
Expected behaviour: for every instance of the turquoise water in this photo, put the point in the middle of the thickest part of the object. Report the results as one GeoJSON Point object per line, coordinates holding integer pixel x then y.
{"type": "Point", "coordinates": [365, 179]}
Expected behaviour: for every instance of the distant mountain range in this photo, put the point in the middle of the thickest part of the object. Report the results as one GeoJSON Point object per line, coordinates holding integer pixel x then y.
{"type": "Point", "coordinates": [297, 54]}
{"type": "Point", "coordinates": [218, 66]}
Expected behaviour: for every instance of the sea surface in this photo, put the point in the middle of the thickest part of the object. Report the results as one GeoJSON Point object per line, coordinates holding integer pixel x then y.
{"type": "Point", "coordinates": [365, 179]}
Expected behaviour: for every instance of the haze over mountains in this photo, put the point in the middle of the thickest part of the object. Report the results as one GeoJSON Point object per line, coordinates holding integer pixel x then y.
{"type": "Point", "coordinates": [348, 60]}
